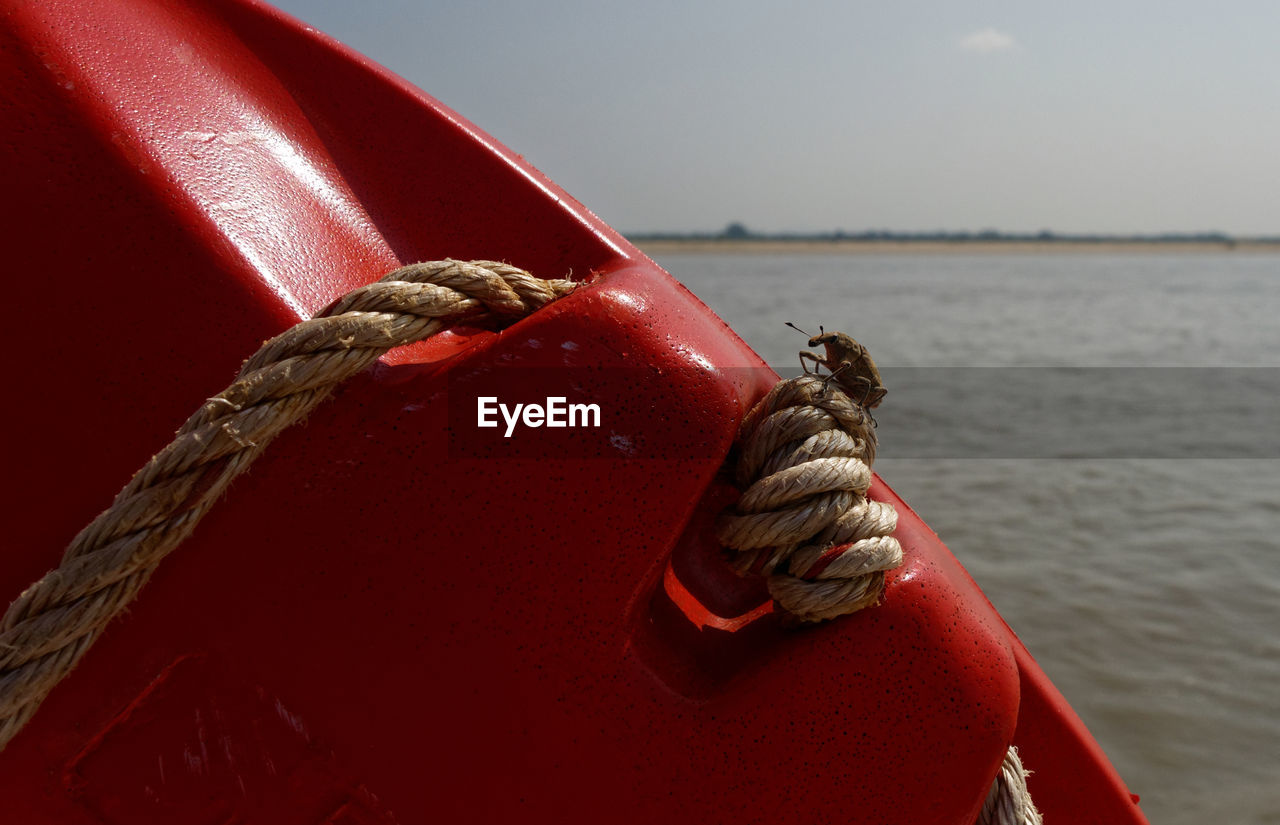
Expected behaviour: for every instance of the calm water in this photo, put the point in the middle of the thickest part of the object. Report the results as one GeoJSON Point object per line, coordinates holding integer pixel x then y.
{"type": "Point", "coordinates": [1148, 589]}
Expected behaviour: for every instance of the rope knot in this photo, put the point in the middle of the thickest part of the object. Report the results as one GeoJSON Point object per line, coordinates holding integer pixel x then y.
{"type": "Point", "coordinates": [804, 520]}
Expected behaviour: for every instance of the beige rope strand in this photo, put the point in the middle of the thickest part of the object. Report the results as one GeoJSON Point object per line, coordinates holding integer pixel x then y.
{"type": "Point", "coordinates": [1008, 802]}
{"type": "Point", "coordinates": [53, 622]}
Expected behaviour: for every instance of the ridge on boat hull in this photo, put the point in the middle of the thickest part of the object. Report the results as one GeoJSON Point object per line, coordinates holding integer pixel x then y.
{"type": "Point", "coordinates": [388, 620]}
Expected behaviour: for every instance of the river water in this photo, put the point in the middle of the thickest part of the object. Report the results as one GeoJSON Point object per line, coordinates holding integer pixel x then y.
{"type": "Point", "coordinates": [1132, 543]}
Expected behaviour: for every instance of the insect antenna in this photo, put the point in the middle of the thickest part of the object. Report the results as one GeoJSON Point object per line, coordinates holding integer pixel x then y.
{"type": "Point", "coordinates": [797, 329]}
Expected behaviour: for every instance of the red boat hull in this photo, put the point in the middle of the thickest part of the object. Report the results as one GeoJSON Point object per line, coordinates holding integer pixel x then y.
{"type": "Point", "coordinates": [395, 617]}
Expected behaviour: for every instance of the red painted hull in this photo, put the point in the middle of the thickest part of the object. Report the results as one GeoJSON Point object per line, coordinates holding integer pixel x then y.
{"type": "Point", "coordinates": [389, 620]}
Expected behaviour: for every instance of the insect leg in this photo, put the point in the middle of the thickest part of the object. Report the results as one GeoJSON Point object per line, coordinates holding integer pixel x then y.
{"type": "Point", "coordinates": [827, 381]}
{"type": "Point", "coordinates": [810, 357]}
{"type": "Point", "coordinates": [866, 406]}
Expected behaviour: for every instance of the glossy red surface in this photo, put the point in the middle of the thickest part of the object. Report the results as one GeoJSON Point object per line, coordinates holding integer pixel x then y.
{"type": "Point", "coordinates": [395, 617]}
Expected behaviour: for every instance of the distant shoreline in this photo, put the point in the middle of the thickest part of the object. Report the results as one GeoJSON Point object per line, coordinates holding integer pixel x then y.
{"type": "Point", "coordinates": [752, 246]}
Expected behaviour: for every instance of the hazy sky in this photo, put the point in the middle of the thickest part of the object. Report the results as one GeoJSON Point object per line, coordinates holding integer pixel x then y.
{"type": "Point", "coordinates": [1083, 116]}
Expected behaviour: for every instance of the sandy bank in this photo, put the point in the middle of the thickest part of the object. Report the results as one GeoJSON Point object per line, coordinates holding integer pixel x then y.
{"type": "Point", "coordinates": [771, 247]}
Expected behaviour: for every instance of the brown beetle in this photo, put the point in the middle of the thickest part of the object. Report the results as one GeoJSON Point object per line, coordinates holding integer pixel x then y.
{"type": "Point", "coordinates": [848, 362]}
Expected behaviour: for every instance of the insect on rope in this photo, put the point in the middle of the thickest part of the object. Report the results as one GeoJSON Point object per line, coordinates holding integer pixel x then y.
{"type": "Point", "coordinates": [848, 362]}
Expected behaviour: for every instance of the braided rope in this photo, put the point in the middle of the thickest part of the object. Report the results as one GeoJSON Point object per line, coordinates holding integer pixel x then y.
{"type": "Point", "coordinates": [54, 622]}
{"type": "Point", "coordinates": [1008, 802]}
{"type": "Point", "coordinates": [805, 521]}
